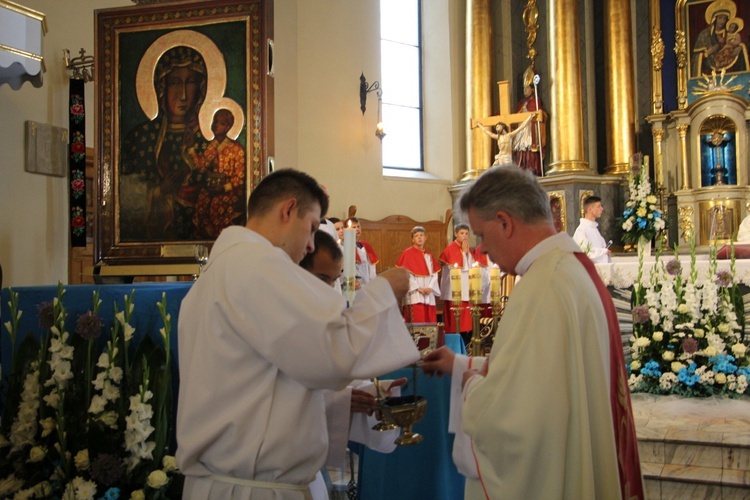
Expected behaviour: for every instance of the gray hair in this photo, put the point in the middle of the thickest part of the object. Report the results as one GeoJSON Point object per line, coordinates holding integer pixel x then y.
{"type": "Point", "coordinates": [417, 229]}
{"type": "Point", "coordinates": [509, 189]}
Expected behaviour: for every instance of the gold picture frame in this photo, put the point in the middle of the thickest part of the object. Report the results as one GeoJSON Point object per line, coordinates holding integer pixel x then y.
{"type": "Point", "coordinates": [168, 177]}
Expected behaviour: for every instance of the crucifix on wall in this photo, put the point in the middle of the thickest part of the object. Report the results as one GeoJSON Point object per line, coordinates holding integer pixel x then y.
{"type": "Point", "coordinates": [507, 140]}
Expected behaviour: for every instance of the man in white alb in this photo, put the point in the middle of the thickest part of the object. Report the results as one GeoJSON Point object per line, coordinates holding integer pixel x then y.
{"type": "Point", "coordinates": [587, 233]}
{"type": "Point", "coordinates": [260, 339]}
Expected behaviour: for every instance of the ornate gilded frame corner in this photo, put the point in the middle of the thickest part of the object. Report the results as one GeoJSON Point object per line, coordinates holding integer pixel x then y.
{"type": "Point", "coordinates": [559, 210]}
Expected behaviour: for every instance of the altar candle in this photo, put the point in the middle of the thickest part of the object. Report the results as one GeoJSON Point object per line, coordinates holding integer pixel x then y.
{"type": "Point", "coordinates": [495, 283]}
{"type": "Point", "coordinates": [475, 284]}
{"type": "Point", "coordinates": [350, 239]}
{"type": "Point", "coordinates": [455, 283]}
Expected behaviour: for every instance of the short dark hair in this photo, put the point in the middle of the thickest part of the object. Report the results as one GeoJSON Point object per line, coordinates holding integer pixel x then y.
{"type": "Point", "coordinates": [461, 225]}
{"type": "Point", "coordinates": [511, 190]}
{"type": "Point", "coordinates": [334, 220]}
{"type": "Point", "coordinates": [590, 200]}
{"type": "Point", "coordinates": [283, 184]}
{"type": "Point", "coordinates": [324, 243]}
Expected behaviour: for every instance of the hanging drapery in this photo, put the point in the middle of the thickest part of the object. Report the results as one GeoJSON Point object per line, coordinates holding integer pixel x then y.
{"type": "Point", "coordinates": [77, 165]}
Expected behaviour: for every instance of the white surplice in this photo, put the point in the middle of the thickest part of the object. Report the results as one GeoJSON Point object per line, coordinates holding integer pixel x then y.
{"type": "Point", "coordinates": [417, 282]}
{"type": "Point", "coordinates": [366, 270]}
{"type": "Point", "coordinates": [256, 352]}
{"type": "Point", "coordinates": [539, 425]}
{"type": "Point", "coordinates": [591, 241]}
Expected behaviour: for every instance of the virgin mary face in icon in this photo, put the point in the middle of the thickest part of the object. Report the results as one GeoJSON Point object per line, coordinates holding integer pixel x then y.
{"type": "Point", "coordinates": [180, 81]}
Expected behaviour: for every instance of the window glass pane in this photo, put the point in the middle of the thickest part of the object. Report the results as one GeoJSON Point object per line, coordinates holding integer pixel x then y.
{"type": "Point", "coordinates": [402, 146]}
{"type": "Point", "coordinates": [399, 21]}
{"type": "Point", "coordinates": [399, 73]}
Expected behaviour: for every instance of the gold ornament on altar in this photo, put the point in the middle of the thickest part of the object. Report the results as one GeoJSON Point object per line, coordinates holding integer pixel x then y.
{"type": "Point", "coordinates": [711, 84]}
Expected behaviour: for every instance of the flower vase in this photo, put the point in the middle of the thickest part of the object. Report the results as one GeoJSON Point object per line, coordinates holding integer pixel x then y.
{"type": "Point", "coordinates": [644, 247]}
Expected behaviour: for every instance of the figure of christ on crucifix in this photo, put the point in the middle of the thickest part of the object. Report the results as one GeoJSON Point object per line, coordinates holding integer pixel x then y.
{"type": "Point", "coordinates": [522, 138]}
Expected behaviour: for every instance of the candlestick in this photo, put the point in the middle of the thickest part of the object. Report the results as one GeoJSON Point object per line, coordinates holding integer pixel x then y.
{"type": "Point", "coordinates": [475, 284]}
{"type": "Point", "coordinates": [494, 284]}
{"type": "Point", "coordinates": [456, 284]}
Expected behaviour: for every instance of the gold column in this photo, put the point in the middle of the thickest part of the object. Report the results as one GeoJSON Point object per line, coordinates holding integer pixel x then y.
{"type": "Point", "coordinates": [619, 86]}
{"type": "Point", "coordinates": [682, 129]}
{"type": "Point", "coordinates": [478, 85]}
{"type": "Point", "coordinates": [566, 111]}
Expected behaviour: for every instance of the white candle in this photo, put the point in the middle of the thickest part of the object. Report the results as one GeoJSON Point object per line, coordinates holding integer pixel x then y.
{"type": "Point", "coordinates": [456, 283]}
{"type": "Point", "coordinates": [475, 284]}
{"type": "Point", "coordinates": [350, 239]}
{"type": "Point", "coordinates": [495, 284]}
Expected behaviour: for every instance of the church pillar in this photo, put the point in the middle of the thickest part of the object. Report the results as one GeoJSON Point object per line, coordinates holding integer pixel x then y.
{"type": "Point", "coordinates": [566, 111]}
{"type": "Point", "coordinates": [619, 86]}
{"type": "Point", "coordinates": [478, 85]}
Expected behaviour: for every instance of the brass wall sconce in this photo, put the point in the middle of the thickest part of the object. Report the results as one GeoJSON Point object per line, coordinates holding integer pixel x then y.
{"type": "Point", "coordinates": [364, 89]}
{"type": "Point", "coordinates": [81, 67]}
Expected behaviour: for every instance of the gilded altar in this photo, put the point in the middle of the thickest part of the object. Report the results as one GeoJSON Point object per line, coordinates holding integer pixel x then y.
{"type": "Point", "coordinates": [701, 148]}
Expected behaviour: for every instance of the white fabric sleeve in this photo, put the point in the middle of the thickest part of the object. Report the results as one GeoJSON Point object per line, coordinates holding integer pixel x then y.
{"type": "Point", "coordinates": [463, 455]}
{"type": "Point", "coordinates": [743, 234]}
{"type": "Point", "coordinates": [366, 340]}
{"type": "Point", "coordinates": [362, 424]}
{"type": "Point", "coordinates": [338, 412]}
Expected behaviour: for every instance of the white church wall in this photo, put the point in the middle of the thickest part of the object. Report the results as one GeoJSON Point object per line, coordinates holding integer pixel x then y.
{"type": "Point", "coordinates": [317, 103]}
{"type": "Point", "coordinates": [33, 225]}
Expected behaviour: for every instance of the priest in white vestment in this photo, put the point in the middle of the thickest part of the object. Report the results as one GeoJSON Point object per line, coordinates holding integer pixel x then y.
{"type": "Point", "coordinates": [548, 415]}
{"type": "Point", "coordinates": [260, 339]}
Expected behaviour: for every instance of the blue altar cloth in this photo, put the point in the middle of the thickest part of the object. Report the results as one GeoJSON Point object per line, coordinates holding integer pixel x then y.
{"type": "Point", "coordinates": [425, 470]}
{"type": "Point", "coordinates": [78, 299]}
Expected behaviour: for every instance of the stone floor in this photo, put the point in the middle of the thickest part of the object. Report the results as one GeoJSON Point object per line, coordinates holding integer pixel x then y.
{"type": "Point", "coordinates": [693, 448]}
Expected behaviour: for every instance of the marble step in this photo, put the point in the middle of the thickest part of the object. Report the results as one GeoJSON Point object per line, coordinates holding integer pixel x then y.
{"type": "Point", "coordinates": [693, 448]}
{"type": "Point", "coordinates": [677, 482]}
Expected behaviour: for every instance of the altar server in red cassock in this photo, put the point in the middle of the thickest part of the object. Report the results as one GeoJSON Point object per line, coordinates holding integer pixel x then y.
{"type": "Point", "coordinates": [457, 254]}
{"type": "Point", "coordinates": [548, 414]}
{"type": "Point", "coordinates": [423, 270]}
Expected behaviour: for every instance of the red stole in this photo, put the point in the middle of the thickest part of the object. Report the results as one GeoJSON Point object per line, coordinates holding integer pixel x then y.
{"type": "Point", "coordinates": [412, 259]}
{"type": "Point", "coordinates": [628, 463]}
{"type": "Point", "coordinates": [370, 252]}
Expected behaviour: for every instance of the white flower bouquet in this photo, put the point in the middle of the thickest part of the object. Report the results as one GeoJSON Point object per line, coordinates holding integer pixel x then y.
{"type": "Point", "coordinates": [67, 429]}
{"type": "Point", "coordinates": [641, 218]}
{"type": "Point", "coordinates": [688, 332]}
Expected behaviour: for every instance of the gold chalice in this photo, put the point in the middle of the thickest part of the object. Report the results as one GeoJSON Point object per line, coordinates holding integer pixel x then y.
{"type": "Point", "coordinates": [405, 411]}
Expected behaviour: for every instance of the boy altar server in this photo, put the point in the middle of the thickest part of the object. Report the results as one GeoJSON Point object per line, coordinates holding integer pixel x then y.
{"type": "Point", "coordinates": [423, 279]}
{"type": "Point", "coordinates": [260, 338]}
{"type": "Point", "coordinates": [534, 428]}
{"type": "Point", "coordinates": [457, 254]}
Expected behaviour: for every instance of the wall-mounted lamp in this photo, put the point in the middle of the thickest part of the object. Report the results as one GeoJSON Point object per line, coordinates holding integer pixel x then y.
{"type": "Point", "coordinates": [364, 89]}
{"type": "Point", "coordinates": [81, 67]}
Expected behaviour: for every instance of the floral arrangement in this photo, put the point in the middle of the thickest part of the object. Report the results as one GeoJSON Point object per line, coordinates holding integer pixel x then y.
{"type": "Point", "coordinates": [688, 331]}
{"type": "Point", "coordinates": [78, 425]}
{"type": "Point", "coordinates": [641, 218]}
